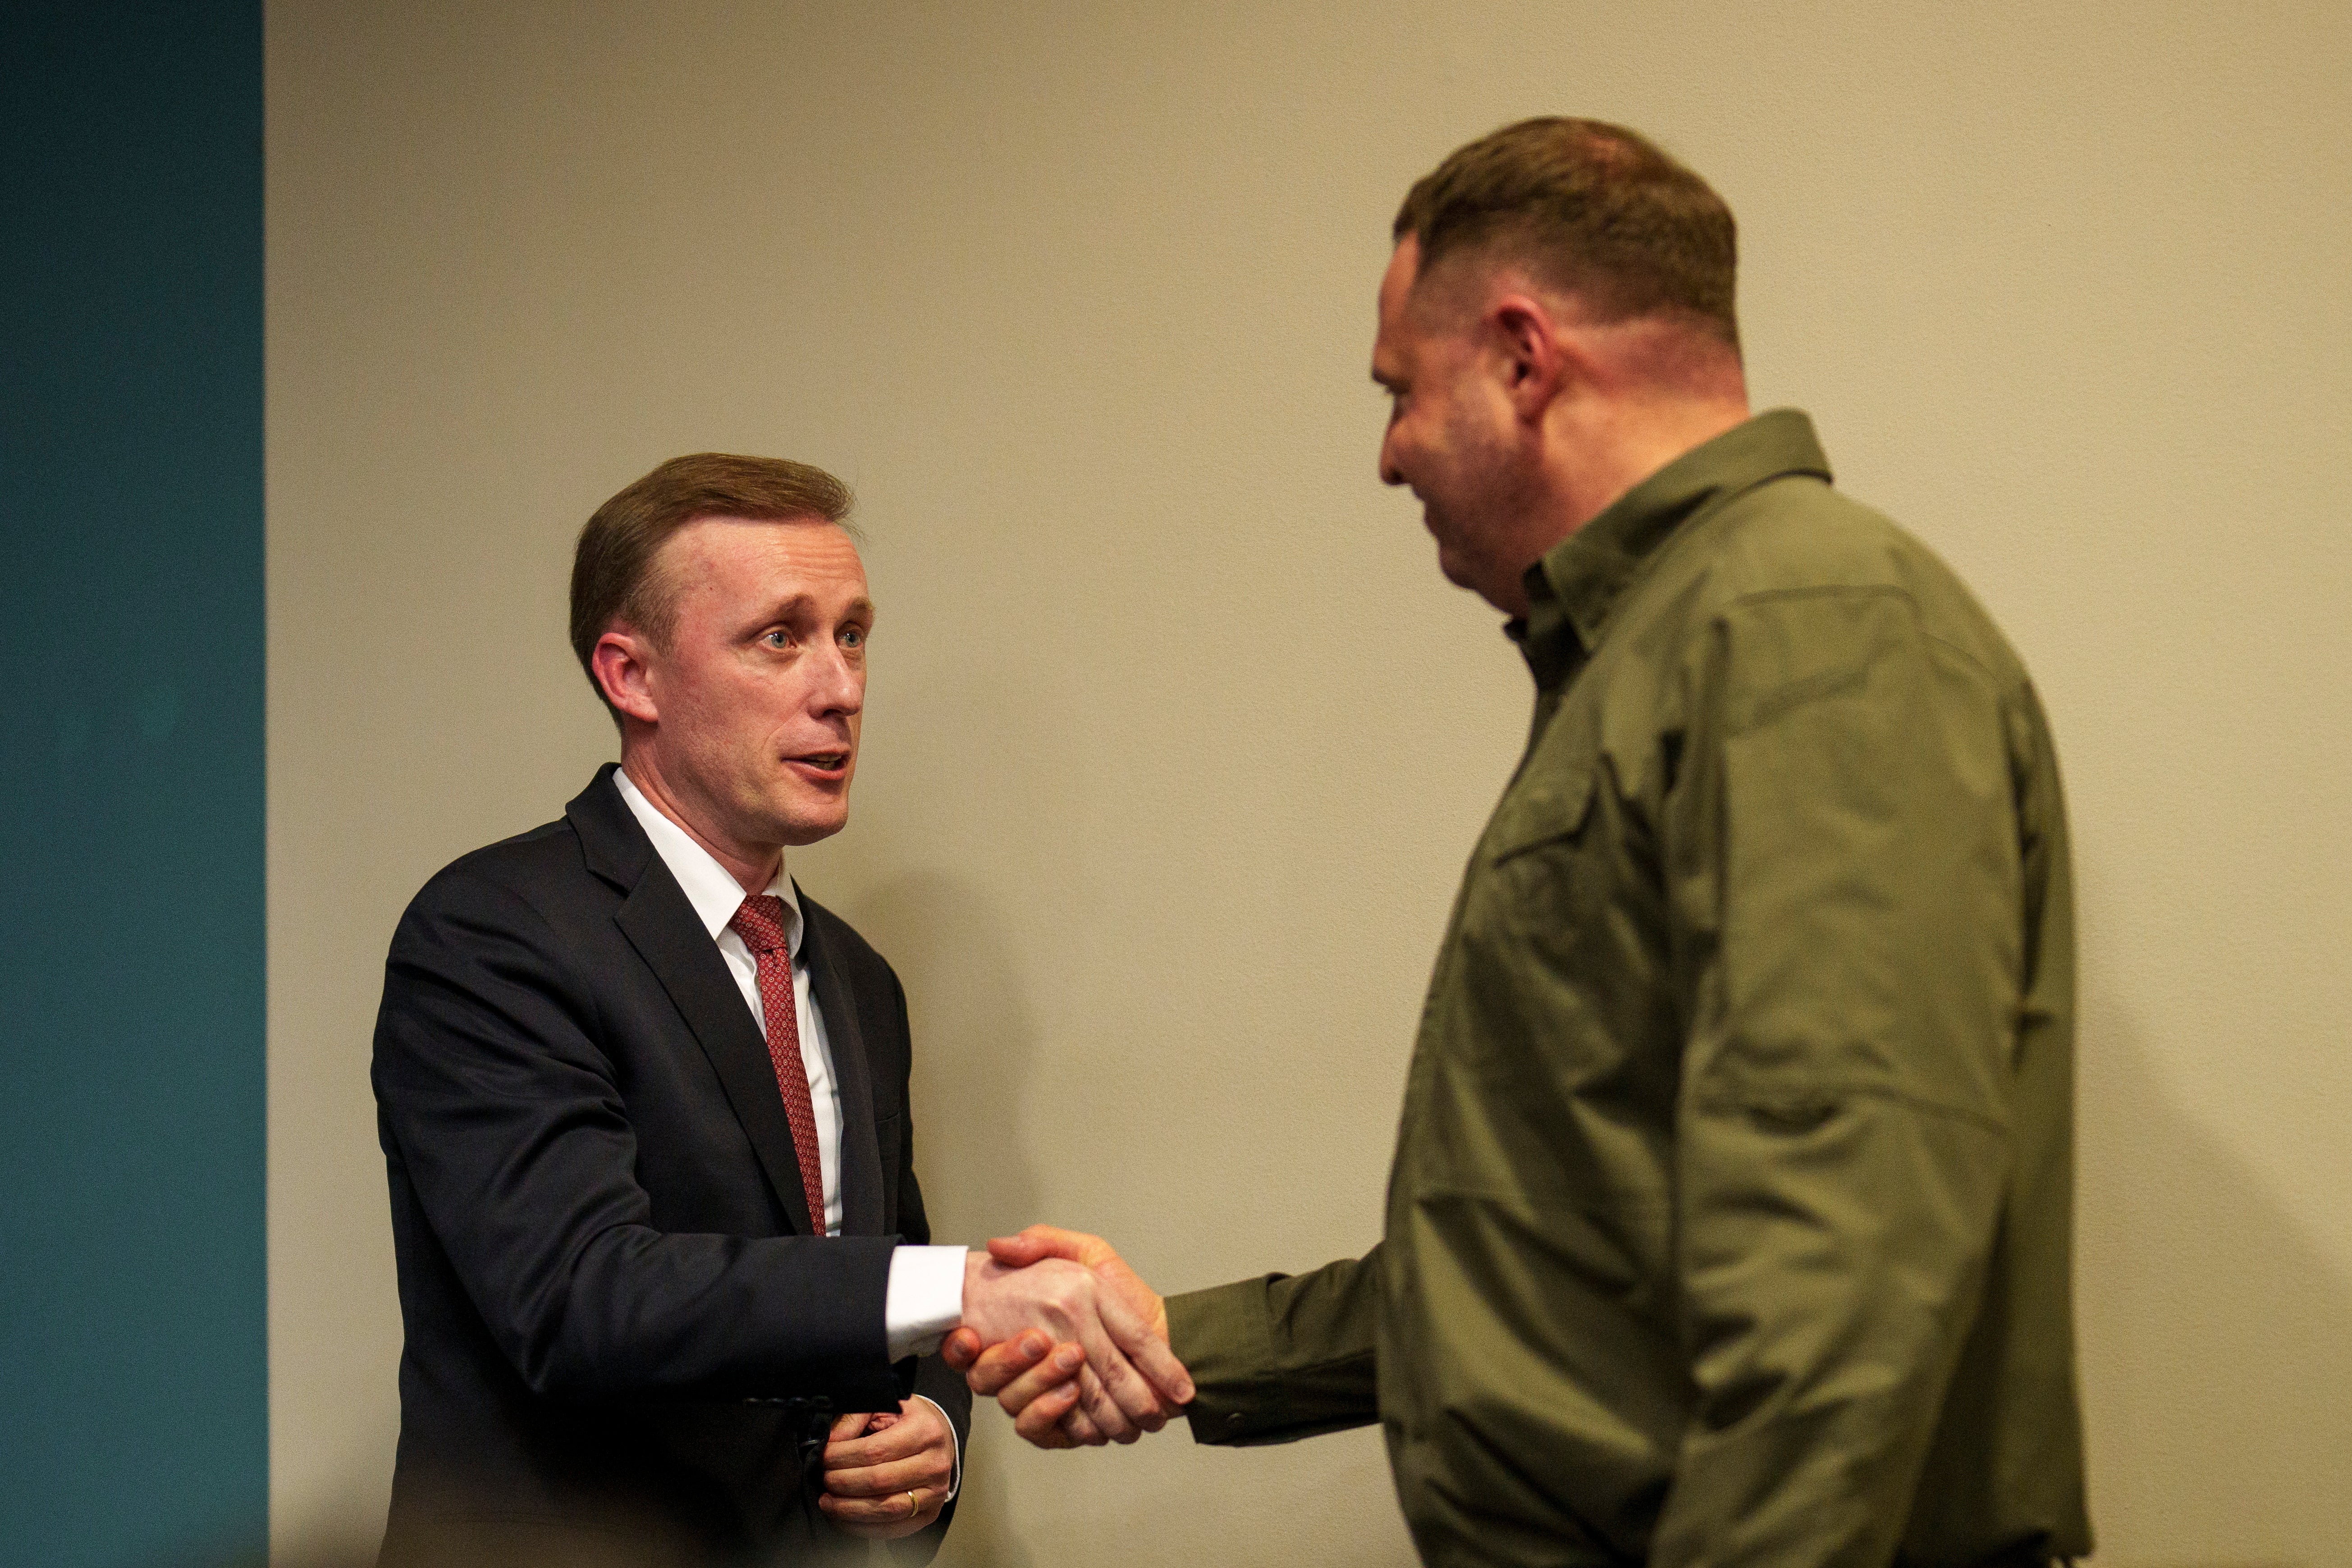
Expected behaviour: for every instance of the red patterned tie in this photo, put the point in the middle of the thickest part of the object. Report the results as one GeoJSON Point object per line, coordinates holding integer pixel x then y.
{"type": "Point", "coordinates": [760, 923]}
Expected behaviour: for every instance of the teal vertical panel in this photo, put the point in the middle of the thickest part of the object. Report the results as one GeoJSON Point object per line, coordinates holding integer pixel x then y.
{"type": "Point", "coordinates": [134, 1392]}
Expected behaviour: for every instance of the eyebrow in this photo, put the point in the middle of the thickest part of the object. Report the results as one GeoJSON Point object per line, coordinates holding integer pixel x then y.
{"type": "Point", "coordinates": [795, 604]}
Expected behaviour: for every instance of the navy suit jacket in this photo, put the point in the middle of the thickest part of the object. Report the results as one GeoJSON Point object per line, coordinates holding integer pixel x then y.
{"type": "Point", "coordinates": [623, 1331]}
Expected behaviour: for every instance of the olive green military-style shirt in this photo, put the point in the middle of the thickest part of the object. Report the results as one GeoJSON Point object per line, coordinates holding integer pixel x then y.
{"type": "Point", "coordinates": [1730, 1216]}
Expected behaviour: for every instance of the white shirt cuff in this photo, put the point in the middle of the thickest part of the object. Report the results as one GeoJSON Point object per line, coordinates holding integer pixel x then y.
{"type": "Point", "coordinates": [956, 1485]}
{"type": "Point", "coordinates": [925, 1299]}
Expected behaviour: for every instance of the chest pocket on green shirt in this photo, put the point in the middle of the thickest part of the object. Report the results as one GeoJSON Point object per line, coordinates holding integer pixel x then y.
{"type": "Point", "coordinates": [1532, 884]}
{"type": "Point", "coordinates": [1541, 810]}
{"type": "Point", "coordinates": [1521, 1016]}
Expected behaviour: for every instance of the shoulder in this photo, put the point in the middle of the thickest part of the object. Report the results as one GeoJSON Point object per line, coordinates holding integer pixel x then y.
{"type": "Point", "coordinates": [842, 940]}
{"type": "Point", "coordinates": [522, 877]}
{"type": "Point", "coordinates": [1795, 550]}
{"type": "Point", "coordinates": [872, 986]}
{"type": "Point", "coordinates": [1796, 532]}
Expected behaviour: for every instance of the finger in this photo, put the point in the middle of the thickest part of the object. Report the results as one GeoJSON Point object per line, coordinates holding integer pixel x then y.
{"type": "Point", "coordinates": [886, 1518]}
{"type": "Point", "coordinates": [1149, 1418]}
{"type": "Point", "coordinates": [1052, 1420]}
{"type": "Point", "coordinates": [1147, 1352]}
{"type": "Point", "coordinates": [894, 1480]}
{"type": "Point", "coordinates": [1128, 1400]}
{"type": "Point", "coordinates": [874, 1448]}
{"type": "Point", "coordinates": [1052, 1373]}
{"type": "Point", "coordinates": [845, 1427]}
{"type": "Point", "coordinates": [890, 1438]}
{"type": "Point", "coordinates": [1098, 1396]}
{"type": "Point", "coordinates": [930, 1465]}
{"type": "Point", "coordinates": [1111, 1391]}
{"type": "Point", "coordinates": [1094, 1395]}
{"type": "Point", "coordinates": [1082, 1432]}
{"type": "Point", "coordinates": [1000, 1364]}
{"type": "Point", "coordinates": [959, 1349]}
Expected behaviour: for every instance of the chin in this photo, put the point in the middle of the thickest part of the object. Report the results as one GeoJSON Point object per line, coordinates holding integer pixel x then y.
{"type": "Point", "coordinates": [804, 827]}
{"type": "Point", "coordinates": [1458, 570]}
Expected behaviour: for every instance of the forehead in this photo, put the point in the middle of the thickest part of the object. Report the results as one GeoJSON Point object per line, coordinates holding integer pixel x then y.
{"type": "Point", "coordinates": [1396, 283]}
{"type": "Point", "coordinates": [763, 558]}
{"type": "Point", "coordinates": [1405, 327]}
{"type": "Point", "coordinates": [1396, 287]}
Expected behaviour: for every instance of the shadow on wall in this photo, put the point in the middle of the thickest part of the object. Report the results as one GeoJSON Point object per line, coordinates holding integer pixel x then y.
{"type": "Point", "coordinates": [975, 1050]}
{"type": "Point", "coordinates": [2217, 1338]}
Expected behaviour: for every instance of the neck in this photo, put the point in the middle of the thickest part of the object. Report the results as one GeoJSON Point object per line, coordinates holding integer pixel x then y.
{"type": "Point", "coordinates": [1623, 443]}
{"type": "Point", "coordinates": [753, 866]}
{"type": "Point", "coordinates": [1595, 449]}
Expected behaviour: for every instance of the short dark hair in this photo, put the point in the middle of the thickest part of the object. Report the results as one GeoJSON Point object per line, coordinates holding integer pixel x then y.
{"type": "Point", "coordinates": [613, 574]}
{"type": "Point", "coordinates": [1593, 209]}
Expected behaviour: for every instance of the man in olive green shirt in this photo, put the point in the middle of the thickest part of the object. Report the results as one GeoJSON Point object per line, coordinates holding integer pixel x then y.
{"type": "Point", "coordinates": [1730, 1216]}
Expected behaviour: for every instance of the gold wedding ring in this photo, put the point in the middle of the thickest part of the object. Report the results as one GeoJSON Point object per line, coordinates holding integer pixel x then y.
{"type": "Point", "coordinates": [914, 1505]}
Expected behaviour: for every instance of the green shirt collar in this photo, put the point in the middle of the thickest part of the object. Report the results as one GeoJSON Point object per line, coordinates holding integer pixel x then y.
{"type": "Point", "coordinates": [1578, 583]}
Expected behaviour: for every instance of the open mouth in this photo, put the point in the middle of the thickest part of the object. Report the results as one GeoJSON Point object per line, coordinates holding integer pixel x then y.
{"type": "Point", "coordinates": [822, 762]}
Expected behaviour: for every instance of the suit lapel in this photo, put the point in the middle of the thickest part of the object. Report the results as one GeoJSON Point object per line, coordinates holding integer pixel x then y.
{"type": "Point", "coordinates": [860, 1157]}
{"type": "Point", "coordinates": [663, 927]}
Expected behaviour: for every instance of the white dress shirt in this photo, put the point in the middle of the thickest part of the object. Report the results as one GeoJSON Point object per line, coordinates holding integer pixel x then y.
{"type": "Point", "coordinates": [924, 1299]}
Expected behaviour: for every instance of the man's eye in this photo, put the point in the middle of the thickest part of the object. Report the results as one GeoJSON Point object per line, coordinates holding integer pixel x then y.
{"type": "Point", "coordinates": [778, 638]}
{"type": "Point", "coordinates": [853, 637]}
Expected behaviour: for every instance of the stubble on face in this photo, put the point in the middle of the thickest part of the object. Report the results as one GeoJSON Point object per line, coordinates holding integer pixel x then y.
{"type": "Point", "coordinates": [1450, 432]}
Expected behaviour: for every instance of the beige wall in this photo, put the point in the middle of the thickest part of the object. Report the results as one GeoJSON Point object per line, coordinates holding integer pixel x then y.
{"type": "Point", "coordinates": [1176, 738]}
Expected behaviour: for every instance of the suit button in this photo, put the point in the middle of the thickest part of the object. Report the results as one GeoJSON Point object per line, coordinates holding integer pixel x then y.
{"type": "Point", "coordinates": [1234, 1422]}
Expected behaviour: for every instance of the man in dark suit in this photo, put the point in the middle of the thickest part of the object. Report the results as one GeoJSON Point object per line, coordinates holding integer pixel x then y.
{"type": "Point", "coordinates": [663, 1266]}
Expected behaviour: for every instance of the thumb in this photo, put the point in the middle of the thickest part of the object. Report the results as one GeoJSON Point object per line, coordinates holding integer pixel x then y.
{"type": "Point", "coordinates": [844, 1427]}
{"type": "Point", "coordinates": [1040, 1241]}
{"type": "Point", "coordinates": [1021, 1251]}
{"type": "Point", "coordinates": [960, 1349]}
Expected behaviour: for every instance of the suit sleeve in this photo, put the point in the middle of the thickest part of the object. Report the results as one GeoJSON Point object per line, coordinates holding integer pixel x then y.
{"type": "Point", "coordinates": [1282, 1356]}
{"type": "Point", "coordinates": [506, 1120]}
{"type": "Point", "coordinates": [1843, 858]}
{"type": "Point", "coordinates": [928, 1376]}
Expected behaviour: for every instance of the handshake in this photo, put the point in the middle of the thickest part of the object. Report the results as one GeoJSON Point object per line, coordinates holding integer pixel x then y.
{"type": "Point", "coordinates": [1072, 1344]}
{"type": "Point", "coordinates": [1069, 1341]}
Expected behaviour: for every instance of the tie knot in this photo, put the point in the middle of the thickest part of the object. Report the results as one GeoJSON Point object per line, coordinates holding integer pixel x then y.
{"type": "Point", "coordinates": [760, 923]}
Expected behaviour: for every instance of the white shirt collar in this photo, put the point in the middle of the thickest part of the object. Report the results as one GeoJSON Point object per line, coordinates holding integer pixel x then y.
{"type": "Point", "coordinates": [709, 886]}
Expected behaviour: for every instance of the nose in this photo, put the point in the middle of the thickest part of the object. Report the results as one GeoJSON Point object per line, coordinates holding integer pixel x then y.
{"type": "Point", "coordinates": [1390, 473]}
{"type": "Point", "coordinates": [839, 685]}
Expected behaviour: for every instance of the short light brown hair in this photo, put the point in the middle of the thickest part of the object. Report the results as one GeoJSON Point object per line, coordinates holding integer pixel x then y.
{"type": "Point", "coordinates": [613, 569]}
{"type": "Point", "coordinates": [1592, 209]}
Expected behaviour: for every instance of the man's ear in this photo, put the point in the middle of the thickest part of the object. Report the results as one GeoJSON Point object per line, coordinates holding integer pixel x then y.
{"type": "Point", "coordinates": [621, 660]}
{"type": "Point", "coordinates": [1537, 359]}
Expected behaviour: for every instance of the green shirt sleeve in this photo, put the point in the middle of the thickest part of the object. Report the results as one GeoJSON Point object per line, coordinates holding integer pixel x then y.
{"type": "Point", "coordinates": [1843, 868]}
{"type": "Point", "coordinates": [1282, 1356]}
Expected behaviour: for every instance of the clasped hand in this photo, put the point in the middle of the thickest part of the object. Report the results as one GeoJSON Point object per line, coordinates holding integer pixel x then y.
{"type": "Point", "coordinates": [888, 1475]}
{"type": "Point", "coordinates": [1069, 1341]}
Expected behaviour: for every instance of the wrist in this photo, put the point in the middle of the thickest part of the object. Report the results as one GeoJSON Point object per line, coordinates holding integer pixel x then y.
{"type": "Point", "coordinates": [923, 1299]}
{"type": "Point", "coordinates": [980, 1272]}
